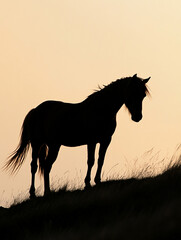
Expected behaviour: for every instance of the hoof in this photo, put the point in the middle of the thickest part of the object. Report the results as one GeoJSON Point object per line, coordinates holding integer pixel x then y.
{"type": "Point", "coordinates": [32, 193]}
{"type": "Point", "coordinates": [47, 193]}
{"type": "Point", "coordinates": [87, 186]}
{"type": "Point", "coordinates": [32, 196]}
{"type": "Point", "coordinates": [97, 181]}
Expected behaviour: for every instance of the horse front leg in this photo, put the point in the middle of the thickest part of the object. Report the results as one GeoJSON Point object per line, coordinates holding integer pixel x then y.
{"type": "Point", "coordinates": [52, 155]}
{"type": "Point", "coordinates": [90, 163]}
{"type": "Point", "coordinates": [102, 151]}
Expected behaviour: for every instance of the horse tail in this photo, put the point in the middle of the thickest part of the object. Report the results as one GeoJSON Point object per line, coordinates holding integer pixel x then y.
{"type": "Point", "coordinates": [16, 159]}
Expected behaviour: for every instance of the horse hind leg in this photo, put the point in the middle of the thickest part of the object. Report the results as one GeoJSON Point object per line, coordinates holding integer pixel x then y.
{"type": "Point", "coordinates": [42, 155]}
{"type": "Point", "coordinates": [33, 171]}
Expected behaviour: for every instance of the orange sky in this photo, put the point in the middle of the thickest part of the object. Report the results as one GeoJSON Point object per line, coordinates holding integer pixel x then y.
{"type": "Point", "coordinates": [63, 49]}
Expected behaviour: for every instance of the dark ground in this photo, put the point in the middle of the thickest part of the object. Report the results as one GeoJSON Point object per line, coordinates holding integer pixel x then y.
{"type": "Point", "coordinates": [146, 209]}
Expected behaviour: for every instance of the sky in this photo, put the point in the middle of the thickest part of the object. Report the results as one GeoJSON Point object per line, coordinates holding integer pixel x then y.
{"type": "Point", "coordinates": [62, 50]}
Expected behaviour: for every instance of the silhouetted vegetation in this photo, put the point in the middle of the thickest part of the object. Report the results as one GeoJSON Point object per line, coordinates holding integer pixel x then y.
{"type": "Point", "coordinates": [147, 208]}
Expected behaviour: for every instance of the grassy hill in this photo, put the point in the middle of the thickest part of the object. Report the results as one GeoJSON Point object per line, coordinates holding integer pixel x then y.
{"type": "Point", "coordinates": [146, 209]}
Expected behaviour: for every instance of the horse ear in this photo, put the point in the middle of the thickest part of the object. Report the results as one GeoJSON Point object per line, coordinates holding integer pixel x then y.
{"type": "Point", "coordinates": [146, 80]}
{"type": "Point", "coordinates": [135, 76]}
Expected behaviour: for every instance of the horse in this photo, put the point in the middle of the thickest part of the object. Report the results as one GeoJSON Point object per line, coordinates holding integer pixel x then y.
{"type": "Point", "coordinates": [54, 123]}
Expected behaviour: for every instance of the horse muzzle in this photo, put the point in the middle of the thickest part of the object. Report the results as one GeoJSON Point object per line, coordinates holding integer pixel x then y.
{"type": "Point", "coordinates": [136, 118]}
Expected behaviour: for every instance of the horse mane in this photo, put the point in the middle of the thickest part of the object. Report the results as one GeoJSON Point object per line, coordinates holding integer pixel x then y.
{"type": "Point", "coordinates": [104, 89]}
{"type": "Point", "coordinates": [112, 86]}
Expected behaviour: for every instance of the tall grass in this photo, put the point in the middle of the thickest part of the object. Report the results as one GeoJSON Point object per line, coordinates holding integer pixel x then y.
{"type": "Point", "coordinates": [147, 208]}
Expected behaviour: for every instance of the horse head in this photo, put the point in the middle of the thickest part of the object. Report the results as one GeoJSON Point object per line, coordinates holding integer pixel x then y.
{"type": "Point", "coordinates": [137, 91]}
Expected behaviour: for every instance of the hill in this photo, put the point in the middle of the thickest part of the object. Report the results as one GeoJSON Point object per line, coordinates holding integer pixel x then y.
{"type": "Point", "coordinates": [147, 208]}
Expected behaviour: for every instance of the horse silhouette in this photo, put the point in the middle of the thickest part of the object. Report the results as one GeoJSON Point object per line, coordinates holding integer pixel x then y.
{"type": "Point", "coordinates": [54, 123]}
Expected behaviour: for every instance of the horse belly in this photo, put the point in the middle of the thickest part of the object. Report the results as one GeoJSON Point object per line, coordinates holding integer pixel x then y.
{"type": "Point", "coordinates": [65, 132]}
{"type": "Point", "coordinates": [83, 135]}
{"type": "Point", "coordinates": [72, 135]}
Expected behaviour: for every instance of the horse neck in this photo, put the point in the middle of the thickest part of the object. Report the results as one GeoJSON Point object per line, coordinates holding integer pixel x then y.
{"type": "Point", "coordinates": [111, 99]}
{"type": "Point", "coordinates": [115, 103]}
